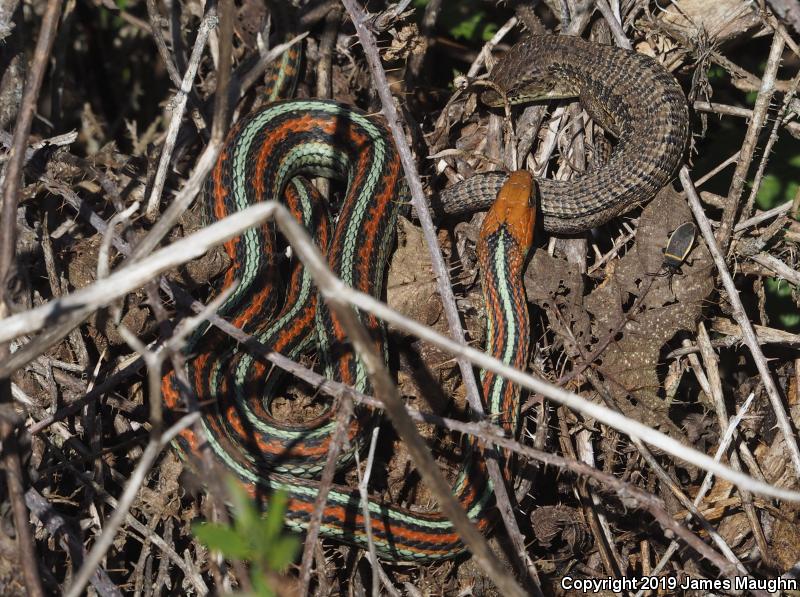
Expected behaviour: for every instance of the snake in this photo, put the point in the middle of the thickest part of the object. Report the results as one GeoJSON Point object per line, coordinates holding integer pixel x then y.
{"type": "Point", "coordinates": [631, 95]}
{"type": "Point", "coordinates": [271, 153]}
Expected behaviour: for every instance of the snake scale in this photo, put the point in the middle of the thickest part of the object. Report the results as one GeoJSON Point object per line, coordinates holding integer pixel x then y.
{"type": "Point", "coordinates": [267, 155]}
{"type": "Point", "coordinates": [629, 94]}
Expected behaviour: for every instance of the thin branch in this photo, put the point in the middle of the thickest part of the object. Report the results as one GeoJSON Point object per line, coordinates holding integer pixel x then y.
{"type": "Point", "coordinates": [763, 216]}
{"type": "Point", "coordinates": [596, 521]}
{"type": "Point", "coordinates": [740, 315]}
{"type": "Point", "coordinates": [8, 241]}
{"type": "Point", "coordinates": [711, 362]}
{"type": "Point", "coordinates": [16, 494]}
{"type": "Point", "coordinates": [613, 24]}
{"type": "Point", "coordinates": [184, 198]}
{"type": "Point", "coordinates": [221, 98]}
{"type": "Point", "coordinates": [158, 36]}
{"type": "Point", "coordinates": [327, 44]}
{"type": "Point", "coordinates": [22, 129]}
{"type": "Point", "coordinates": [337, 442]}
{"type": "Point", "coordinates": [725, 109]}
{"type": "Point", "coordinates": [178, 106]}
{"type": "Point", "coordinates": [103, 265]}
{"type": "Point", "coordinates": [363, 491]}
{"type": "Point", "coordinates": [773, 138]}
{"type": "Point", "coordinates": [778, 266]}
{"type": "Point", "coordinates": [486, 51]}
{"type": "Point", "coordinates": [241, 82]}
{"type": "Point", "coordinates": [749, 144]}
{"type": "Point", "coordinates": [75, 338]}
{"type": "Point", "coordinates": [102, 292]}
{"type": "Point", "coordinates": [719, 168]}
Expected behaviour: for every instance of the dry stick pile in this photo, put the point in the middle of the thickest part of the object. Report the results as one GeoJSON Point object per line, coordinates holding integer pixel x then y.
{"type": "Point", "coordinates": [103, 250]}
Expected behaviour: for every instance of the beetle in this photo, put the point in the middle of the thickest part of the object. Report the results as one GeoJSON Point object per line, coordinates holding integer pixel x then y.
{"type": "Point", "coordinates": [679, 245]}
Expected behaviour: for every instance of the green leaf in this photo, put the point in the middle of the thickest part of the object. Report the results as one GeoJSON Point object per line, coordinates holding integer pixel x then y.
{"type": "Point", "coordinates": [246, 516]}
{"type": "Point", "coordinates": [260, 585]}
{"type": "Point", "coordinates": [253, 538]}
{"type": "Point", "coordinates": [769, 191]}
{"type": "Point", "coordinates": [781, 305]}
{"type": "Point", "coordinates": [775, 190]}
{"type": "Point", "coordinates": [716, 73]}
{"type": "Point", "coordinates": [223, 539]}
{"type": "Point", "coordinates": [276, 510]}
{"type": "Point", "coordinates": [282, 552]}
{"type": "Point", "coordinates": [467, 28]}
{"type": "Point", "coordinates": [488, 31]}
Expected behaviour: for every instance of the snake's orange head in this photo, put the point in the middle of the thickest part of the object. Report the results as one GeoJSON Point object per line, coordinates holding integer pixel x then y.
{"type": "Point", "coordinates": [514, 208]}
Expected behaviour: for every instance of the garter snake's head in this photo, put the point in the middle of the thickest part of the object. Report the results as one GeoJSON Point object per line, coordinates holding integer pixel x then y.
{"type": "Point", "coordinates": [514, 209]}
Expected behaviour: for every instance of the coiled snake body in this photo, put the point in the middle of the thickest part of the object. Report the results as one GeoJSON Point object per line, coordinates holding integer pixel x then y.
{"type": "Point", "coordinates": [265, 157]}
{"type": "Point", "coordinates": [631, 95]}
